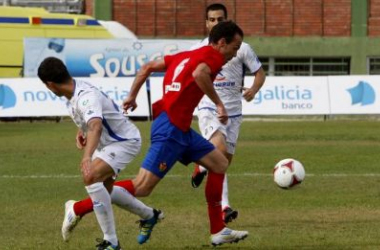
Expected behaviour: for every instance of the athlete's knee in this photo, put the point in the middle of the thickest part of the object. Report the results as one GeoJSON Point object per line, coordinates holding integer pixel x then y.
{"type": "Point", "coordinates": [91, 178]}
{"type": "Point", "coordinates": [222, 165]}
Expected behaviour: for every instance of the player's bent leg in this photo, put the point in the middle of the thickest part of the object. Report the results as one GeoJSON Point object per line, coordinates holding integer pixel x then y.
{"type": "Point", "coordinates": [218, 139]}
{"type": "Point", "coordinates": [229, 214]}
{"type": "Point", "coordinates": [227, 235]}
{"type": "Point", "coordinates": [94, 178]}
{"type": "Point", "coordinates": [214, 161]}
{"type": "Point", "coordinates": [213, 192]}
{"type": "Point", "coordinates": [144, 183]}
{"type": "Point", "coordinates": [70, 220]}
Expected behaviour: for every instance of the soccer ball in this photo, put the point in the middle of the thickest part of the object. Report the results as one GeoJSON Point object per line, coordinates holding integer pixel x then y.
{"type": "Point", "coordinates": [288, 173]}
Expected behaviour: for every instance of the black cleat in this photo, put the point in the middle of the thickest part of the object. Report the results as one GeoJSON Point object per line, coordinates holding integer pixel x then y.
{"type": "Point", "coordinates": [197, 177]}
{"type": "Point", "coordinates": [106, 245]}
{"type": "Point", "coordinates": [229, 215]}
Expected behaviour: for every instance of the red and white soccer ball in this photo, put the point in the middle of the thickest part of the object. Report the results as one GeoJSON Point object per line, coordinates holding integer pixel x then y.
{"type": "Point", "coordinates": [288, 173]}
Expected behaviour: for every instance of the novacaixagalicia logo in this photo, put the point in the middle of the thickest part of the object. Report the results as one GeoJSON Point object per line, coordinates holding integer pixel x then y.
{"type": "Point", "coordinates": [362, 93]}
{"type": "Point", "coordinates": [7, 97]}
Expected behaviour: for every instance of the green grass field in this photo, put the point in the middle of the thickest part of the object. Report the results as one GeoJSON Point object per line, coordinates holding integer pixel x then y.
{"type": "Point", "coordinates": [336, 207]}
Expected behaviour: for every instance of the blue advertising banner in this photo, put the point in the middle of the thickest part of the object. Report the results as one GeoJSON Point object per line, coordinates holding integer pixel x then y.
{"type": "Point", "coordinates": [99, 57]}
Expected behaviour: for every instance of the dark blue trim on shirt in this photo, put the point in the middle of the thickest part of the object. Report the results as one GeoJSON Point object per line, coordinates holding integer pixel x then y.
{"type": "Point", "coordinates": [234, 116]}
{"type": "Point", "coordinates": [207, 108]}
{"type": "Point", "coordinates": [110, 131]}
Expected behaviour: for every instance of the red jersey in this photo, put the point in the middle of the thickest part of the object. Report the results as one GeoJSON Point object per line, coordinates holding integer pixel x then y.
{"type": "Point", "coordinates": [181, 92]}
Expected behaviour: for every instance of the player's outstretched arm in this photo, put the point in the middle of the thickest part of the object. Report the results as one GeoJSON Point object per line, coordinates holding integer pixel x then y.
{"type": "Point", "coordinates": [202, 76]}
{"type": "Point", "coordinates": [258, 82]}
{"type": "Point", "coordinates": [142, 75]}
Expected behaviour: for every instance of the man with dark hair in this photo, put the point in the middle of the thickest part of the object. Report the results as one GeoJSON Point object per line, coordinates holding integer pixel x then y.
{"type": "Point", "coordinates": [188, 77]}
{"type": "Point", "coordinates": [229, 87]}
{"type": "Point", "coordinates": [109, 141]}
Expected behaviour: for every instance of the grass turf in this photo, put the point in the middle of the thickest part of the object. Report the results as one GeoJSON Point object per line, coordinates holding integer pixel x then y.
{"type": "Point", "coordinates": [336, 207]}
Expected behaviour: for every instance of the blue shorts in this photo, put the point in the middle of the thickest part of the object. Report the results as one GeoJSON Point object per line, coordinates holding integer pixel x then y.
{"type": "Point", "coordinates": [169, 144]}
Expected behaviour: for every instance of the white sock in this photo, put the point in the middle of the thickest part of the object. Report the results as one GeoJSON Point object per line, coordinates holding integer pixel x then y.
{"type": "Point", "coordinates": [202, 169]}
{"type": "Point", "coordinates": [103, 210]}
{"type": "Point", "coordinates": [225, 202]}
{"type": "Point", "coordinates": [123, 199]}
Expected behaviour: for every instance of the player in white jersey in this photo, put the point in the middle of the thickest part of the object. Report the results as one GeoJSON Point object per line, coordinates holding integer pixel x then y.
{"type": "Point", "coordinates": [229, 86]}
{"type": "Point", "coordinates": [109, 141]}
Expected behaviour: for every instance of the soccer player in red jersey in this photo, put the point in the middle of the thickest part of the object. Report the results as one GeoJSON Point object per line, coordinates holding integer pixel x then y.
{"type": "Point", "coordinates": [189, 76]}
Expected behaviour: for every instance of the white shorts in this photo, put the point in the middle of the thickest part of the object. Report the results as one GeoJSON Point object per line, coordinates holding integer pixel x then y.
{"type": "Point", "coordinates": [118, 154]}
{"type": "Point", "coordinates": [209, 124]}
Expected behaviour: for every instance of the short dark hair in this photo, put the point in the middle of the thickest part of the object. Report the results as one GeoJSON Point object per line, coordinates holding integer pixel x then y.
{"type": "Point", "coordinates": [227, 30]}
{"type": "Point", "coordinates": [216, 6]}
{"type": "Point", "coordinates": [53, 70]}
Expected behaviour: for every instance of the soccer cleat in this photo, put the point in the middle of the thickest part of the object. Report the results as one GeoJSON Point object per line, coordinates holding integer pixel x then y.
{"type": "Point", "coordinates": [146, 226]}
{"type": "Point", "coordinates": [106, 245]}
{"type": "Point", "coordinates": [227, 235]}
{"type": "Point", "coordinates": [197, 177]}
{"type": "Point", "coordinates": [70, 221]}
{"type": "Point", "coordinates": [229, 214]}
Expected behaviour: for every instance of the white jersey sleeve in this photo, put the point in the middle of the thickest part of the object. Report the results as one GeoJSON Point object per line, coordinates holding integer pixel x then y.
{"type": "Point", "coordinates": [249, 58]}
{"type": "Point", "coordinates": [89, 102]}
{"type": "Point", "coordinates": [89, 105]}
{"type": "Point", "coordinates": [229, 81]}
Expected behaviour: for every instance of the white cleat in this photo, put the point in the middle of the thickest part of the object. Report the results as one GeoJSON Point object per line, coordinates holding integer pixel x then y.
{"type": "Point", "coordinates": [70, 220]}
{"type": "Point", "coordinates": [227, 236]}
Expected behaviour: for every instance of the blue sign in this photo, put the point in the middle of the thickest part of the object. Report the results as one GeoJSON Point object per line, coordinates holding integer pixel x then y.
{"type": "Point", "coordinates": [7, 97]}
{"type": "Point", "coordinates": [363, 94]}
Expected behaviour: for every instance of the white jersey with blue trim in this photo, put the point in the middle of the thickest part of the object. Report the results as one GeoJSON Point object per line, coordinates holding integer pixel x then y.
{"type": "Point", "coordinates": [89, 102]}
{"type": "Point", "coordinates": [229, 81]}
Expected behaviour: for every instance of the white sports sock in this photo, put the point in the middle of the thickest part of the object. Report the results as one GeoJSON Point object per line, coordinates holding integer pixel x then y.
{"type": "Point", "coordinates": [225, 202]}
{"type": "Point", "coordinates": [202, 169]}
{"type": "Point", "coordinates": [103, 210]}
{"type": "Point", "coordinates": [123, 199]}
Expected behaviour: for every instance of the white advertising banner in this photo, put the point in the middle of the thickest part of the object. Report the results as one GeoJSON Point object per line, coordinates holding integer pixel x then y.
{"type": "Point", "coordinates": [354, 94]}
{"type": "Point", "coordinates": [279, 96]}
{"type": "Point", "coordinates": [156, 90]}
{"type": "Point", "coordinates": [99, 57]}
{"type": "Point", "coordinates": [30, 97]}
{"type": "Point", "coordinates": [289, 96]}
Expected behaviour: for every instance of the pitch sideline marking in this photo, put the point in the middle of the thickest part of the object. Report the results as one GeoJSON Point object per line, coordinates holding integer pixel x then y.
{"type": "Point", "coordinates": [62, 176]}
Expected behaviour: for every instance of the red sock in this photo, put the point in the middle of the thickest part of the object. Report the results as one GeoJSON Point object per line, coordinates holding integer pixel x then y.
{"type": "Point", "coordinates": [83, 207]}
{"type": "Point", "coordinates": [127, 185]}
{"type": "Point", "coordinates": [214, 188]}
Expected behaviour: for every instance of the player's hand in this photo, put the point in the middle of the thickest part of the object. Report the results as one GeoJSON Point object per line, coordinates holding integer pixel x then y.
{"type": "Point", "coordinates": [248, 94]}
{"type": "Point", "coordinates": [129, 103]}
{"type": "Point", "coordinates": [222, 114]}
{"type": "Point", "coordinates": [85, 166]}
{"type": "Point", "coordinates": [80, 140]}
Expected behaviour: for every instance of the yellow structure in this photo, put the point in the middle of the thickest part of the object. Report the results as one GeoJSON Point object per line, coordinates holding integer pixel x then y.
{"type": "Point", "coordinates": [16, 23]}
